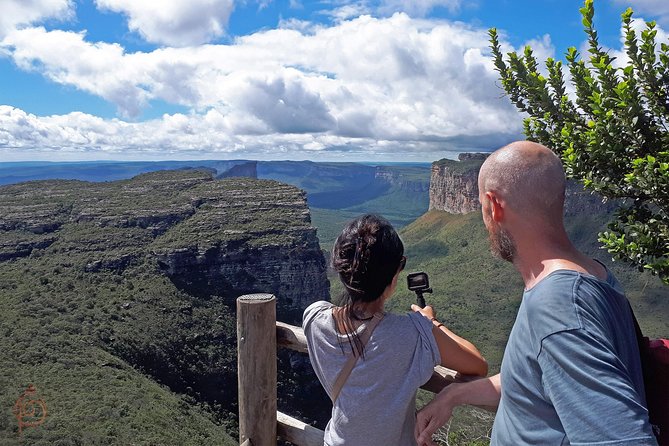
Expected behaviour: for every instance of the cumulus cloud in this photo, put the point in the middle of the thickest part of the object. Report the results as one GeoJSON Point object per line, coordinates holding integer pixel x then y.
{"type": "Point", "coordinates": [349, 11]}
{"type": "Point", "coordinates": [656, 8]}
{"type": "Point", "coordinates": [65, 57]}
{"type": "Point", "coordinates": [174, 22]}
{"type": "Point", "coordinates": [374, 85]}
{"type": "Point", "coordinates": [17, 13]}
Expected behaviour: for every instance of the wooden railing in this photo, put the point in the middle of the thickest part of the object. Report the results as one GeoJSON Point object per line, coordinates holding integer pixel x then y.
{"type": "Point", "coordinates": [258, 337]}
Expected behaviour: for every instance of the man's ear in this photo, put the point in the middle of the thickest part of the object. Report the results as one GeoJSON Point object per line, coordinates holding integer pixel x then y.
{"type": "Point", "coordinates": [496, 209]}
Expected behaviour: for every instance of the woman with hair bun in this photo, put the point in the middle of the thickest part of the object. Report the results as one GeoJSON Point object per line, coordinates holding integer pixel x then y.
{"type": "Point", "coordinates": [371, 363]}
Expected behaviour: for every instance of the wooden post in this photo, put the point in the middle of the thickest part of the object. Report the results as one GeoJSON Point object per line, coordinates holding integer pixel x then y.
{"type": "Point", "coordinates": [256, 368]}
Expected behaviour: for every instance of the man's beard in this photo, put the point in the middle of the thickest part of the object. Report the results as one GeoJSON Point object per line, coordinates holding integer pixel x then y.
{"type": "Point", "coordinates": [502, 245]}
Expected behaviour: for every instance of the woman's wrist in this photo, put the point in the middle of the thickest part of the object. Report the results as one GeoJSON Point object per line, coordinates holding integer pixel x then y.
{"type": "Point", "coordinates": [436, 323]}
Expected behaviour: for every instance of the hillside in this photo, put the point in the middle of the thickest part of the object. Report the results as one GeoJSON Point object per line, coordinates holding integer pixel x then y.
{"type": "Point", "coordinates": [117, 300]}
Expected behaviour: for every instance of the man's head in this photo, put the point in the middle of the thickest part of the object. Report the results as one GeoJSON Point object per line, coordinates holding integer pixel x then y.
{"type": "Point", "coordinates": [521, 181]}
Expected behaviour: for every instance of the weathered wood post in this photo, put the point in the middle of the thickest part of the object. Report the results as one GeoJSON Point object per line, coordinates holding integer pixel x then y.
{"type": "Point", "coordinates": [256, 368]}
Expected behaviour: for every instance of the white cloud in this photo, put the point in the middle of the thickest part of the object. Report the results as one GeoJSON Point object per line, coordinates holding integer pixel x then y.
{"type": "Point", "coordinates": [65, 57]}
{"type": "Point", "coordinates": [655, 8]}
{"type": "Point", "coordinates": [349, 11]}
{"type": "Point", "coordinates": [174, 22]}
{"type": "Point", "coordinates": [367, 85]}
{"type": "Point", "coordinates": [16, 13]}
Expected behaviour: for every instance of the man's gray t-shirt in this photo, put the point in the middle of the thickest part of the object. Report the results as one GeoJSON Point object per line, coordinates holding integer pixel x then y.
{"type": "Point", "coordinates": [571, 372]}
{"type": "Point", "coordinates": [377, 404]}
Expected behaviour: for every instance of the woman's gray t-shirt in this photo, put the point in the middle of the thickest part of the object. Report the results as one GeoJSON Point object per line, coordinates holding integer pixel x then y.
{"type": "Point", "coordinates": [377, 404]}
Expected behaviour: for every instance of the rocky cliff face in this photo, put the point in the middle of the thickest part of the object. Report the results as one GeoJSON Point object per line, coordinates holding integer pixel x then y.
{"type": "Point", "coordinates": [453, 184]}
{"type": "Point", "coordinates": [454, 188]}
{"type": "Point", "coordinates": [252, 236]}
{"type": "Point", "coordinates": [210, 237]}
{"type": "Point", "coordinates": [109, 283]}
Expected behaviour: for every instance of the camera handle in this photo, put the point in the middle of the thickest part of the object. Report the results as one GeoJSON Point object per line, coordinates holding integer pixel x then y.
{"type": "Point", "coordinates": [420, 300]}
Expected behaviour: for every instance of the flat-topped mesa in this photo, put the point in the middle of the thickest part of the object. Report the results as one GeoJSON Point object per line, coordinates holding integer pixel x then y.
{"type": "Point", "coordinates": [454, 188]}
{"type": "Point", "coordinates": [248, 236]}
{"type": "Point", "coordinates": [210, 237]}
{"type": "Point", "coordinates": [454, 184]}
{"type": "Point", "coordinates": [248, 169]}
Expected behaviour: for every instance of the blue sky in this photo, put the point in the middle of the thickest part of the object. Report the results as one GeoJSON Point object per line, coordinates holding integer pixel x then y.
{"type": "Point", "coordinates": [381, 80]}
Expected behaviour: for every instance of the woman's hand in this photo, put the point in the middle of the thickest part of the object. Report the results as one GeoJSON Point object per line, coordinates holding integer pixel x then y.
{"type": "Point", "coordinates": [428, 311]}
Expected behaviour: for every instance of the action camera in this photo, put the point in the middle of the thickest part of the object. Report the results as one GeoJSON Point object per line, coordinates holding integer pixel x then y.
{"type": "Point", "coordinates": [419, 283]}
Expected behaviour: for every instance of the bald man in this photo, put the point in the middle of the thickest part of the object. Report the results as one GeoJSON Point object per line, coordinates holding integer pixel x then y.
{"type": "Point", "coordinates": [571, 373]}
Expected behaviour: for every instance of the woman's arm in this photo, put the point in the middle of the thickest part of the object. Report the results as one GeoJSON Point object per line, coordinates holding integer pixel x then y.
{"type": "Point", "coordinates": [456, 353]}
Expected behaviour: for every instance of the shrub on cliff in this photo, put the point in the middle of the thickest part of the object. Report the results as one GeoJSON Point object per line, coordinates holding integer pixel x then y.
{"type": "Point", "coordinates": [612, 135]}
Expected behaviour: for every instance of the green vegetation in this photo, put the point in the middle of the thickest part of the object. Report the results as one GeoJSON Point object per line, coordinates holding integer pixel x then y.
{"type": "Point", "coordinates": [74, 336]}
{"type": "Point", "coordinates": [118, 352]}
{"type": "Point", "coordinates": [399, 205]}
{"type": "Point", "coordinates": [235, 212]}
{"type": "Point", "coordinates": [612, 136]}
{"type": "Point", "coordinates": [460, 167]}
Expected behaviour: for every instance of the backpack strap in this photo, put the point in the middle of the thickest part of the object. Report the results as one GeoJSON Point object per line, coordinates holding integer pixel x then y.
{"type": "Point", "coordinates": [353, 358]}
{"type": "Point", "coordinates": [640, 339]}
{"type": "Point", "coordinates": [650, 367]}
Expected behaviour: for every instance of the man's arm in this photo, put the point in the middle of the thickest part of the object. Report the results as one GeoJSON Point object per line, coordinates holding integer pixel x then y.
{"type": "Point", "coordinates": [482, 392]}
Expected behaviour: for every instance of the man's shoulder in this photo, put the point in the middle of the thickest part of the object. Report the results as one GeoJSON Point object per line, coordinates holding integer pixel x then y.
{"type": "Point", "coordinates": [553, 295]}
{"type": "Point", "coordinates": [566, 289]}
{"type": "Point", "coordinates": [568, 300]}
{"type": "Point", "coordinates": [550, 305]}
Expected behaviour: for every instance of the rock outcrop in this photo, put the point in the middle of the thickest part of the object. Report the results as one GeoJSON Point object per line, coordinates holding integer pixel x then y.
{"type": "Point", "coordinates": [255, 236]}
{"type": "Point", "coordinates": [453, 184]}
{"type": "Point", "coordinates": [454, 188]}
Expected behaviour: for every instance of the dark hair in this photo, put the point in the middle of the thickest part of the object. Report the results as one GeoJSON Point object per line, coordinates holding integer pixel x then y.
{"type": "Point", "coordinates": [366, 255]}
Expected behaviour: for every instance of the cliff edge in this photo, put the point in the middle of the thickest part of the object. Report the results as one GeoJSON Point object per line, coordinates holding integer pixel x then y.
{"type": "Point", "coordinates": [454, 188]}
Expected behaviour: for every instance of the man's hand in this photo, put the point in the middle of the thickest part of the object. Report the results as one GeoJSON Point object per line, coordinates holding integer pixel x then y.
{"type": "Point", "coordinates": [433, 416]}
{"type": "Point", "coordinates": [483, 392]}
